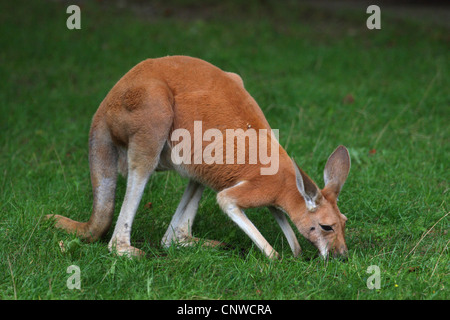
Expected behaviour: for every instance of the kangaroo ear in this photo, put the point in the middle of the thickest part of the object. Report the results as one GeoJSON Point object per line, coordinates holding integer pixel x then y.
{"type": "Point", "coordinates": [307, 188]}
{"type": "Point", "coordinates": [337, 169]}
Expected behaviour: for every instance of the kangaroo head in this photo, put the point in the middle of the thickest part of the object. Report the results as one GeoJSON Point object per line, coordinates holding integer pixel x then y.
{"type": "Point", "coordinates": [322, 223]}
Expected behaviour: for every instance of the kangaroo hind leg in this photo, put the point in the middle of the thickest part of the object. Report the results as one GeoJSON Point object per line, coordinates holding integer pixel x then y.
{"type": "Point", "coordinates": [179, 231]}
{"type": "Point", "coordinates": [149, 119]}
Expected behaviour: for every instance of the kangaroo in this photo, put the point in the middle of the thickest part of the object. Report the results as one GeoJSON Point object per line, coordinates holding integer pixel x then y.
{"type": "Point", "coordinates": [131, 133]}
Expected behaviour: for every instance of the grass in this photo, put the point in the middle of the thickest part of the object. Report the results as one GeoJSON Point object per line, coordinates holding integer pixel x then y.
{"type": "Point", "coordinates": [322, 79]}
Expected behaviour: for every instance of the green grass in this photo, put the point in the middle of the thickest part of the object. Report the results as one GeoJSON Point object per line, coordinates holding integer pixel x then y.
{"type": "Point", "coordinates": [299, 64]}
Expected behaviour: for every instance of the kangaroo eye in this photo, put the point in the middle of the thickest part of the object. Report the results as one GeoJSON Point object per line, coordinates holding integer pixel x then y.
{"type": "Point", "coordinates": [325, 227]}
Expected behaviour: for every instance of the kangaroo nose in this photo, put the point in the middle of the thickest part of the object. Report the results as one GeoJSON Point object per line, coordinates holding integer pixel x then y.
{"type": "Point", "coordinates": [341, 253]}
{"type": "Point", "coordinates": [343, 258]}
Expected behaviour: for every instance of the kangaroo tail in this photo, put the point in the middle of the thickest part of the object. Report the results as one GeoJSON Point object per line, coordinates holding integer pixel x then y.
{"type": "Point", "coordinates": [103, 163]}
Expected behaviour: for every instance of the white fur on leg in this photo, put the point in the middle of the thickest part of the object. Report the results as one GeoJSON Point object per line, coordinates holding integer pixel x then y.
{"type": "Point", "coordinates": [287, 230]}
{"type": "Point", "coordinates": [239, 217]}
{"type": "Point", "coordinates": [120, 241]}
{"type": "Point", "coordinates": [180, 228]}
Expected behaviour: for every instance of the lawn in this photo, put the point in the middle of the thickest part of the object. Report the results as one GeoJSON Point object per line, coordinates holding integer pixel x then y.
{"type": "Point", "coordinates": [321, 78]}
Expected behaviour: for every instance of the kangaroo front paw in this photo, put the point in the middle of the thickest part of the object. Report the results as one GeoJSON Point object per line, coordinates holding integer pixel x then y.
{"type": "Point", "coordinates": [274, 256]}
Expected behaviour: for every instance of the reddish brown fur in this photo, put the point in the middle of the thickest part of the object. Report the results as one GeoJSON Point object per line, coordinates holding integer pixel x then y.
{"type": "Point", "coordinates": [158, 96]}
